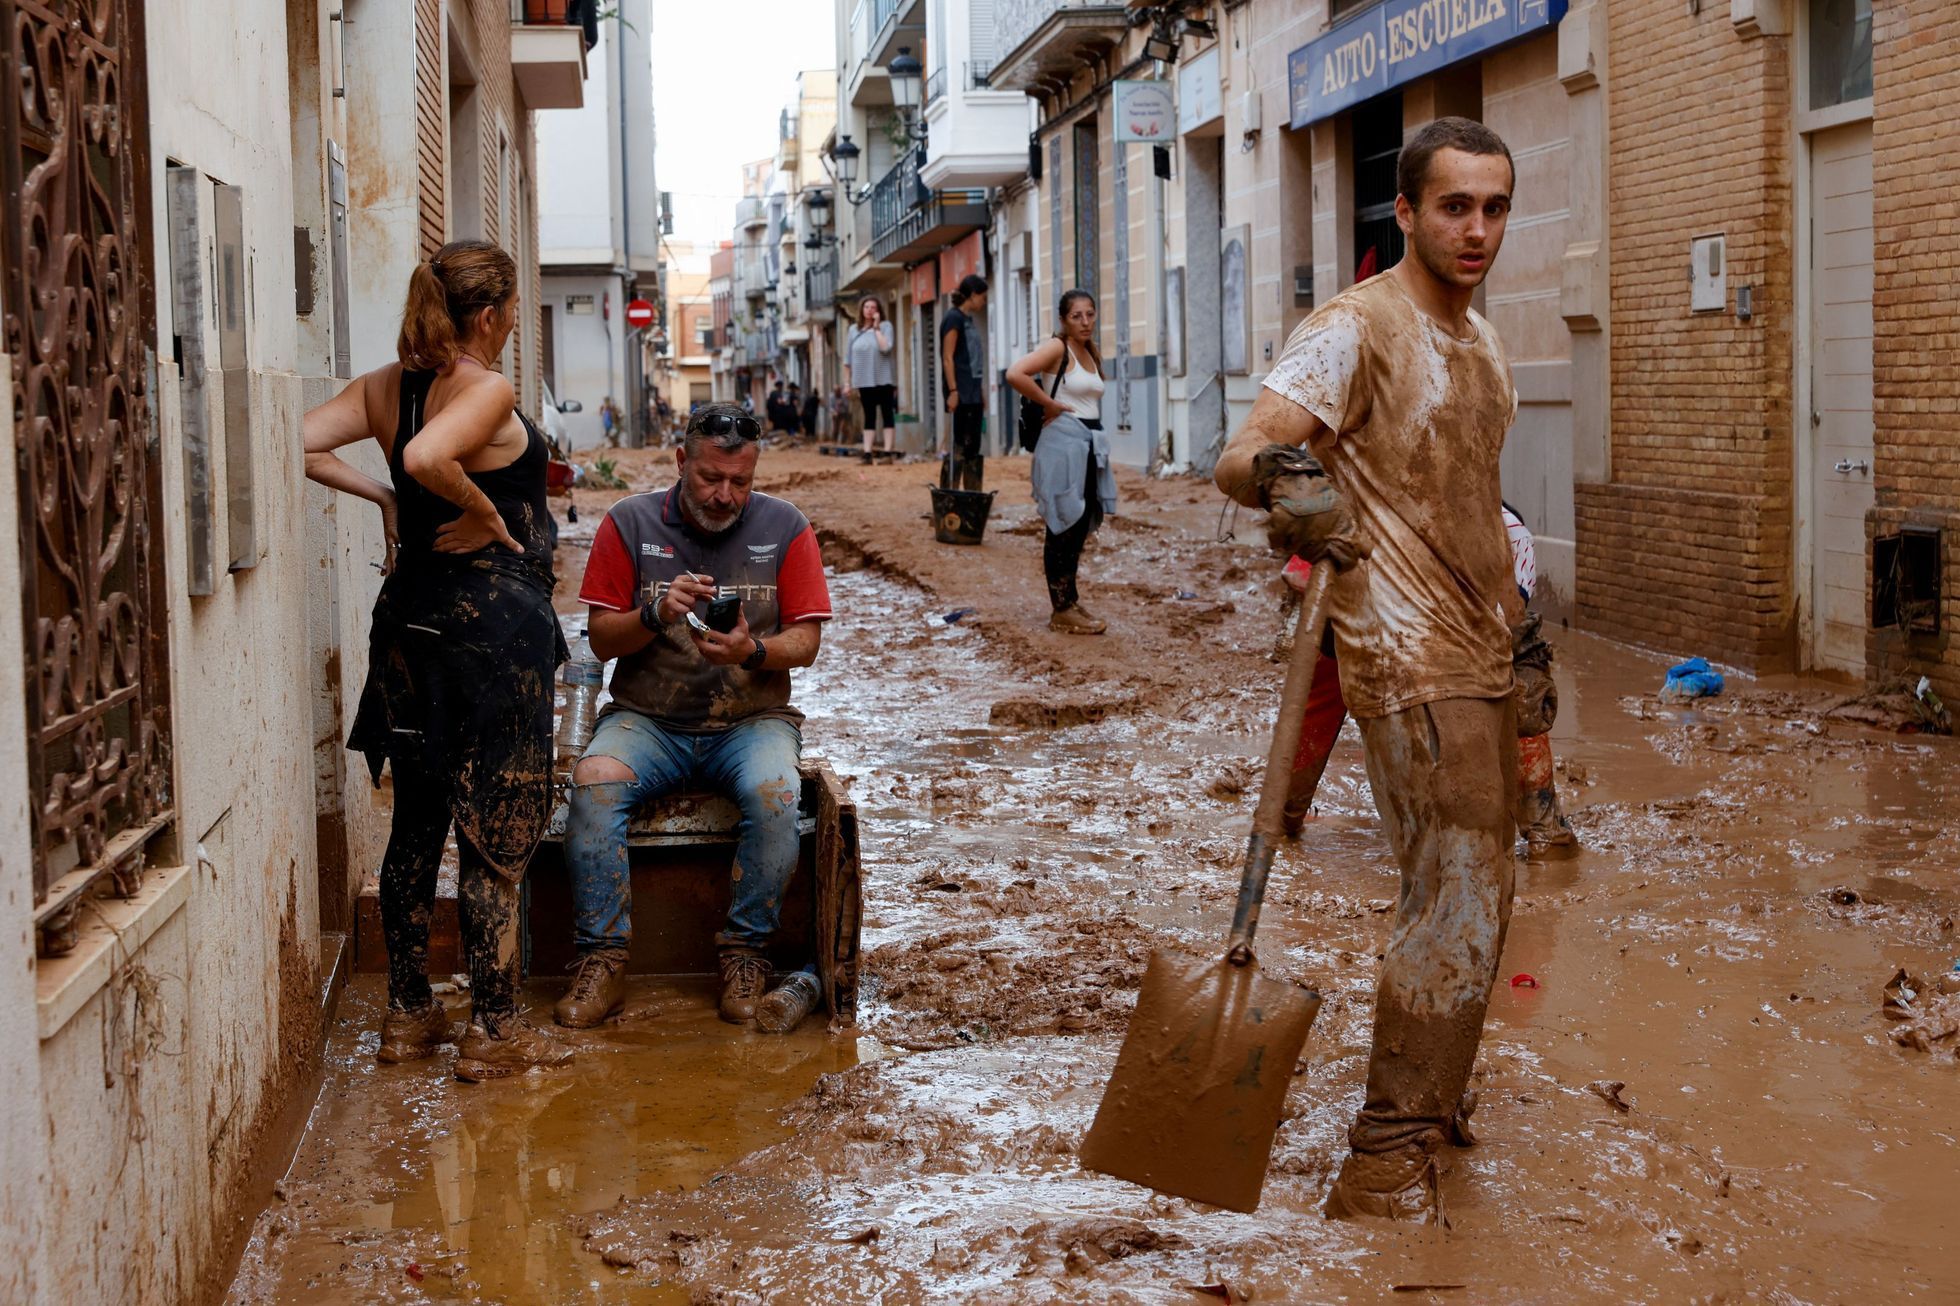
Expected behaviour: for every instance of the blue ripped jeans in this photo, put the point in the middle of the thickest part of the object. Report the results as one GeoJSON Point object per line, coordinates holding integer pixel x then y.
{"type": "Point", "coordinates": [753, 763]}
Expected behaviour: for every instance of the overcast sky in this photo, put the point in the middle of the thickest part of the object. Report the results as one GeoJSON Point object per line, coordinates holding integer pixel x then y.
{"type": "Point", "coordinates": [723, 70]}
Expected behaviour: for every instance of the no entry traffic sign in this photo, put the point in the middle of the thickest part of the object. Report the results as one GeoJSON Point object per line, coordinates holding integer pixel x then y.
{"type": "Point", "coordinates": [639, 314]}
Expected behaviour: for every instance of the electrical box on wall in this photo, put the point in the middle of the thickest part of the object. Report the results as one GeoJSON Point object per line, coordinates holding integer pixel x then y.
{"type": "Point", "coordinates": [1708, 274]}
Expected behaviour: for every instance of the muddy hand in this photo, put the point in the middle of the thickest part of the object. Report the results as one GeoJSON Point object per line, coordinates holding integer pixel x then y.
{"type": "Point", "coordinates": [472, 533]}
{"type": "Point", "coordinates": [725, 650]}
{"type": "Point", "coordinates": [686, 590]}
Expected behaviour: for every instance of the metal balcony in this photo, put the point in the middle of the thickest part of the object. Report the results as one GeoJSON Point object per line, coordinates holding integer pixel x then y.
{"type": "Point", "coordinates": [820, 283]}
{"type": "Point", "coordinates": [909, 220]}
{"type": "Point", "coordinates": [1048, 42]}
{"type": "Point", "coordinates": [894, 23]}
{"type": "Point", "coordinates": [751, 211]}
{"type": "Point", "coordinates": [547, 53]}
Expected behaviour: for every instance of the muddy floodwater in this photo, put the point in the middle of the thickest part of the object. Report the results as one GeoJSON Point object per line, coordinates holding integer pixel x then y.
{"type": "Point", "coordinates": [1697, 1097]}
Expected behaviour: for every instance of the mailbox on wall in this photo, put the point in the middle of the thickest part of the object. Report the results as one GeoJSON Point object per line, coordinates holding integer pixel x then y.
{"type": "Point", "coordinates": [1708, 274]}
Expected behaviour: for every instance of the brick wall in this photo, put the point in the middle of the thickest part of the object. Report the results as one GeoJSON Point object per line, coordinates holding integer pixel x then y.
{"type": "Point", "coordinates": [1687, 547]}
{"type": "Point", "coordinates": [1915, 314]}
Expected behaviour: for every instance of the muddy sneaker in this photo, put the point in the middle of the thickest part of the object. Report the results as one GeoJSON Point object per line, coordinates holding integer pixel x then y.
{"type": "Point", "coordinates": [788, 1003]}
{"type": "Point", "coordinates": [1398, 1185]}
{"type": "Point", "coordinates": [1550, 840]}
{"type": "Point", "coordinates": [1076, 621]}
{"type": "Point", "coordinates": [744, 977]}
{"type": "Point", "coordinates": [598, 991]}
{"type": "Point", "coordinates": [523, 1046]}
{"type": "Point", "coordinates": [414, 1035]}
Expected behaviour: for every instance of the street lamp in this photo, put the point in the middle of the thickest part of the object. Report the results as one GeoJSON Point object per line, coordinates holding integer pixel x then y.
{"type": "Point", "coordinates": [905, 72]}
{"type": "Point", "coordinates": [818, 202]}
{"type": "Point", "coordinates": [844, 154]}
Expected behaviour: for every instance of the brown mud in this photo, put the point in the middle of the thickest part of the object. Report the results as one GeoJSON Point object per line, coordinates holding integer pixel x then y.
{"type": "Point", "coordinates": [1754, 874]}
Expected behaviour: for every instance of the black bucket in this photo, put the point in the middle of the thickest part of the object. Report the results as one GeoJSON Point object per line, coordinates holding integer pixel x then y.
{"type": "Point", "coordinates": [960, 516]}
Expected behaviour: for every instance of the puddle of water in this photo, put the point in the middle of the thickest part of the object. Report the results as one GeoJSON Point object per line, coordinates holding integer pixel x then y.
{"type": "Point", "coordinates": [474, 1185]}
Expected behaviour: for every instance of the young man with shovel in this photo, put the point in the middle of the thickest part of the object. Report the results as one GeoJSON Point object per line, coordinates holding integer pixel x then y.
{"type": "Point", "coordinates": [1403, 395]}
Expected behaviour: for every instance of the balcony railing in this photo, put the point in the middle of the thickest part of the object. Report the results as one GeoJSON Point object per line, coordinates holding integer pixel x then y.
{"type": "Point", "coordinates": [898, 202]}
{"type": "Point", "coordinates": [558, 13]}
{"type": "Point", "coordinates": [977, 72]}
{"type": "Point", "coordinates": [905, 212]}
{"type": "Point", "coordinates": [882, 11]}
{"type": "Point", "coordinates": [935, 85]}
{"type": "Point", "coordinates": [751, 211]}
{"type": "Point", "coordinates": [820, 283]}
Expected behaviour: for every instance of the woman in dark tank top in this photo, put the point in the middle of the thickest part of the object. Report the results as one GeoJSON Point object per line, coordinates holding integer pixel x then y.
{"type": "Point", "coordinates": [461, 657]}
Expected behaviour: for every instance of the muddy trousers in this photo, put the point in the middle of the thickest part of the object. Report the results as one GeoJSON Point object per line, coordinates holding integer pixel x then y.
{"type": "Point", "coordinates": [486, 906]}
{"type": "Point", "coordinates": [1443, 776]}
{"type": "Point", "coordinates": [754, 763]}
{"type": "Point", "coordinates": [964, 466]}
{"type": "Point", "coordinates": [1061, 551]}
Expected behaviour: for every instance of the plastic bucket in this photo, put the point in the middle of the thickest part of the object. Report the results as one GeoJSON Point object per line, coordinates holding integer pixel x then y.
{"type": "Point", "coordinates": [960, 516]}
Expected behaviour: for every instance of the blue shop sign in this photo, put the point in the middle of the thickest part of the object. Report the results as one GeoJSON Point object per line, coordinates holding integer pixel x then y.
{"type": "Point", "coordinates": [1398, 41]}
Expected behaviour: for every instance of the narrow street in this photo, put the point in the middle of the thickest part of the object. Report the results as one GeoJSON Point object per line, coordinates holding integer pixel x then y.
{"type": "Point", "coordinates": [1700, 1098]}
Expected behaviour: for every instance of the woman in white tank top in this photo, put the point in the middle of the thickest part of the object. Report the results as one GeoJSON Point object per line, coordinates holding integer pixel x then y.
{"type": "Point", "coordinates": [1073, 482]}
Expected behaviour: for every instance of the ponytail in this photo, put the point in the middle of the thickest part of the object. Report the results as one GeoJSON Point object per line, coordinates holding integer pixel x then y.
{"type": "Point", "coordinates": [444, 296]}
{"type": "Point", "coordinates": [970, 285]}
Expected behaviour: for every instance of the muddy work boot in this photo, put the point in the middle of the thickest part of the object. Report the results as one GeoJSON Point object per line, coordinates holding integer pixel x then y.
{"type": "Point", "coordinates": [1076, 620]}
{"type": "Point", "coordinates": [598, 991]}
{"type": "Point", "coordinates": [414, 1035]}
{"type": "Point", "coordinates": [1399, 1185]}
{"type": "Point", "coordinates": [744, 979]}
{"type": "Point", "coordinates": [518, 1047]}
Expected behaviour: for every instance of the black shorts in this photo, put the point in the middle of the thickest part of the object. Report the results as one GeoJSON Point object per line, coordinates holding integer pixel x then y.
{"type": "Point", "coordinates": [879, 399]}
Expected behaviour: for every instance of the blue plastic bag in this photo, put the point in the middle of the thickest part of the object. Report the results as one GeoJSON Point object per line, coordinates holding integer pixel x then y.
{"type": "Point", "coordinates": [1692, 679]}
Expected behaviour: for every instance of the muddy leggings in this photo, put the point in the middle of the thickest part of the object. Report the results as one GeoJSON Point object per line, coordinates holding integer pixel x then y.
{"type": "Point", "coordinates": [1442, 775]}
{"type": "Point", "coordinates": [486, 906]}
{"type": "Point", "coordinates": [1061, 551]}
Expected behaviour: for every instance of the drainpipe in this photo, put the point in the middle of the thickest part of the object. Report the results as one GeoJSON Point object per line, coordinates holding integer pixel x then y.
{"type": "Point", "coordinates": [630, 405]}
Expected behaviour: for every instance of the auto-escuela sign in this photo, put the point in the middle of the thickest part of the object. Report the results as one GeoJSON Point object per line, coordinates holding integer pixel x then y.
{"type": "Point", "coordinates": [1398, 41]}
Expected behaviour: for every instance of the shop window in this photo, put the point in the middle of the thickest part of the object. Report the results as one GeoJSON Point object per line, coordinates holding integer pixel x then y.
{"type": "Point", "coordinates": [1840, 52]}
{"type": "Point", "coordinates": [1376, 129]}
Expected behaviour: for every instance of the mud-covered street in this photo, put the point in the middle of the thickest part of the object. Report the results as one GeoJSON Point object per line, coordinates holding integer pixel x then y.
{"type": "Point", "coordinates": [1699, 1097]}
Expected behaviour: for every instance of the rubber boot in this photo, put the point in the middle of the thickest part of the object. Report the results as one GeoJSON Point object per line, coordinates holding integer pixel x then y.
{"type": "Point", "coordinates": [1401, 1185]}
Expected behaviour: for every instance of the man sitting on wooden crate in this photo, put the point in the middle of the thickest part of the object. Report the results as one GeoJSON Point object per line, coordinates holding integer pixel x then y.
{"type": "Point", "coordinates": [708, 594]}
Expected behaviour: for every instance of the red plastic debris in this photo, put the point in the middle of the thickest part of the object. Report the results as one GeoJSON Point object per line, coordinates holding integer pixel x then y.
{"type": "Point", "coordinates": [1522, 980]}
{"type": "Point", "coordinates": [414, 1270]}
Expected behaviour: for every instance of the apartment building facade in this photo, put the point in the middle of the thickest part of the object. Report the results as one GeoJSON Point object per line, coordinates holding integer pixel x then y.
{"type": "Point", "coordinates": [599, 231]}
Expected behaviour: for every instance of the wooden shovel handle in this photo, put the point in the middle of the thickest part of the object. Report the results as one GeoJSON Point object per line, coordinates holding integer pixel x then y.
{"type": "Point", "coordinates": [1268, 826]}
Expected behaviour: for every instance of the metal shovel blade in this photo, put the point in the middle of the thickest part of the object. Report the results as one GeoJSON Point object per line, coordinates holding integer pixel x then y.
{"type": "Point", "coordinates": [1199, 1085]}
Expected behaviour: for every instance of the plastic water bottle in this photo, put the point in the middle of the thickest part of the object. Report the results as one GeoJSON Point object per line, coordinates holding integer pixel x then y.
{"type": "Point", "coordinates": [583, 677]}
{"type": "Point", "coordinates": [788, 1003]}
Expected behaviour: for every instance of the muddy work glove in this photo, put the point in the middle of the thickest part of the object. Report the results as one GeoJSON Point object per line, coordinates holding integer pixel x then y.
{"type": "Point", "coordinates": [1307, 515]}
{"type": "Point", "coordinates": [1531, 672]}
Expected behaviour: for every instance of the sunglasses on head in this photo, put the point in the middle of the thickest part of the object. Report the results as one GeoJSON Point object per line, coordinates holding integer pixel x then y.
{"type": "Point", "coordinates": [722, 423]}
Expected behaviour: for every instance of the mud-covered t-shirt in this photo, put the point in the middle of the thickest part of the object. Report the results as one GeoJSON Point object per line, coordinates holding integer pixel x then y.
{"type": "Point", "coordinates": [1417, 421]}
{"type": "Point", "coordinates": [769, 557]}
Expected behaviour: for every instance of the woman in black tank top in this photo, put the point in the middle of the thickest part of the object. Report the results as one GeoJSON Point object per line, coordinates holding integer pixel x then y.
{"type": "Point", "coordinates": [458, 700]}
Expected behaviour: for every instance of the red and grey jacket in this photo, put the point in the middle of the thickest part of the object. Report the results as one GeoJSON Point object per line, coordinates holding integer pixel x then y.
{"type": "Point", "coordinates": [769, 557]}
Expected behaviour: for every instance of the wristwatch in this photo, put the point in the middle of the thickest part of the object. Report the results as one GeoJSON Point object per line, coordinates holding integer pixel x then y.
{"type": "Point", "coordinates": [650, 615]}
{"type": "Point", "coordinates": [754, 661]}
